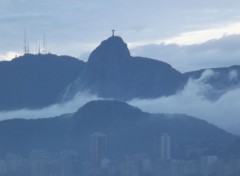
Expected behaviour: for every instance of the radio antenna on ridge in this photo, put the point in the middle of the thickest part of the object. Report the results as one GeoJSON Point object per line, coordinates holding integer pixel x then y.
{"type": "Point", "coordinates": [28, 46]}
{"type": "Point", "coordinates": [39, 48]}
{"type": "Point", "coordinates": [25, 43]}
{"type": "Point", "coordinates": [44, 43]}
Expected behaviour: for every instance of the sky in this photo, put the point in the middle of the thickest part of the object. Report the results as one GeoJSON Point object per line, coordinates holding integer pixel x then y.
{"type": "Point", "coordinates": [75, 27]}
{"type": "Point", "coordinates": [214, 53]}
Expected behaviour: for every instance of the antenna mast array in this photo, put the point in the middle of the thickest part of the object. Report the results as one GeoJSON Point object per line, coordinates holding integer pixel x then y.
{"type": "Point", "coordinates": [41, 47]}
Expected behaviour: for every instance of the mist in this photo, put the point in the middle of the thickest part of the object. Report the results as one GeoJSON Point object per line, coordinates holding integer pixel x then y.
{"type": "Point", "coordinates": [54, 110]}
{"type": "Point", "coordinates": [193, 100]}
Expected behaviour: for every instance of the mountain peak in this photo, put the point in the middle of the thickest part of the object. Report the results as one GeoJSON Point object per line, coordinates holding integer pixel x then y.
{"type": "Point", "coordinates": [113, 49]}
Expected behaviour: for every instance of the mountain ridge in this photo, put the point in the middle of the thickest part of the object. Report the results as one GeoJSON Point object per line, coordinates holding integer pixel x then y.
{"type": "Point", "coordinates": [126, 132]}
{"type": "Point", "coordinates": [37, 81]}
{"type": "Point", "coordinates": [121, 76]}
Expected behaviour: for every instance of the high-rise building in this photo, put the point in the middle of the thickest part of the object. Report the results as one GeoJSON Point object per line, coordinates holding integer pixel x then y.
{"type": "Point", "coordinates": [163, 147]}
{"type": "Point", "coordinates": [97, 149]}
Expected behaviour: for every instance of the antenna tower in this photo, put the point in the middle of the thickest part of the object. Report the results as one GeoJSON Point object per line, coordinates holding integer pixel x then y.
{"type": "Point", "coordinates": [39, 48]}
{"type": "Point", "coordinates": [44, 43]}
{"type": "Point", "coordinates": [25, 43]}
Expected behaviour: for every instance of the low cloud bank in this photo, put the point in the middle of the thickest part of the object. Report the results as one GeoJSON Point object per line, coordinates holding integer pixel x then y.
{"type": "Point", "coordinates": [71, 106]}
{"type": "Point", "coordinates": [8, 56]}
{"type": "Point", "coordinates": [214, 53]}
{"type": "Point", "coordinates": [224, 112]}
{"type": "Point", "coordinates": [193, 100]}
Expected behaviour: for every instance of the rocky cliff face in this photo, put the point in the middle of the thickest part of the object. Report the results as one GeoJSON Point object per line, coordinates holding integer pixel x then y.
{"type": "Point", "coordinates": [111, 72]}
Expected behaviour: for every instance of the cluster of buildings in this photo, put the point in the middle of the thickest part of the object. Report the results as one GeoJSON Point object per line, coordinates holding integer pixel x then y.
{"type": "Point", "coordinates": [68, 163]}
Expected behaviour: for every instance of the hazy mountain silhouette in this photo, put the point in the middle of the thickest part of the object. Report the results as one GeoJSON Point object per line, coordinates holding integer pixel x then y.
{"type": "Point", "coordinates": [34, 81]}
{"type": "Point", "coordinates": [111, 72]}
{"type": "Point", "coordinates": [128, 130]}
{"type": "Point", "coordinates": [222, 79]}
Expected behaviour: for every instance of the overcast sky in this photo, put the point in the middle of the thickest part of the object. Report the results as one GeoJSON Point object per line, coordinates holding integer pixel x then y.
{"type": "Point", "coordinates": [74, 27]}
{"type": "Point", "coordinates": [221, 52]}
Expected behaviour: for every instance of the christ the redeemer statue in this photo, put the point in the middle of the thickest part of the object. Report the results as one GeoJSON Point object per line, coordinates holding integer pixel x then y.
{"type": "Point", "coordinates": [113, 32]}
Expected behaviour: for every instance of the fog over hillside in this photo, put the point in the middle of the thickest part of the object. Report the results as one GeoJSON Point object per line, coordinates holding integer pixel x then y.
{"type": "Point", "coordinates": [223, 112]}
{"type": "Point", "coordinates": [192, 100]}
{"type": "Point", "coordinates": [119, 88]}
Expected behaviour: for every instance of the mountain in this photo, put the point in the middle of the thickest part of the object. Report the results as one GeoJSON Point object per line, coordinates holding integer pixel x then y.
{"type": "Point", "coordinates": [111, 72]}
{"type": "Point", "coordinates": [128, 131]}
{"type": "Point", "coordinates": [34, 81]}
{"type": "Point", "coordinates": [221, 80]}
{"type": "Point", "coordinates": [37, 81]}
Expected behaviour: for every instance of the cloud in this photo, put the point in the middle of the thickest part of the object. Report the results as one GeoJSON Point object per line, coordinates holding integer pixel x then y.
{"type": "Point", "coordinates": [214, 53]}
{"type": "Point", "coordinates": [21, 17]}
{"type": "Point", "coordinates": [233, 75]}
{"type": "Point", "coordinates": [9, 56]}
{"type": "Point", "coordinates": [192, 100]}
{"type": "Point", "coordinates": [224, 112]}
{"type": "Point", "coordinates": [71, 106]}
{"type": "Point", "coordinates": [85, 56]}
{"type": "Point", "coordinates": [197, 37]}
